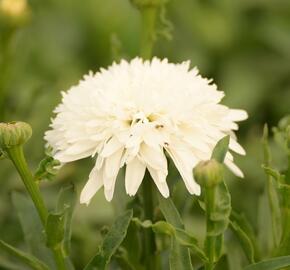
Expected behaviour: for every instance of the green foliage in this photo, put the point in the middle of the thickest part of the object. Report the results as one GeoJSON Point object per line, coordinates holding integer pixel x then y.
{"type": "Point", "coordinates": [179, 256]}
{"type": "Point", "coordinates": [180, 236]}
{"type": "Point", "coordinates": [111, 242]}
{"type": "Point", "coordinates": [220, 150]}
{"type": "Point", "coordinates": [47, 168]}
{"type": "Point", "coordinates": [25, 258]}
{"type": "Point", "coordinates": [66, 203]}
{"type": "Point", "coordinates": [271, 264]}
{"type": "Point", "coordinates": [54, 229]}
{"type": "Point", "coordinates": [32, 228]}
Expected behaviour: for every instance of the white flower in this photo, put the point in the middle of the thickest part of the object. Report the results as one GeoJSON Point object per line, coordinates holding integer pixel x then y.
{"type": "Point", "coordinates": [133, 114]}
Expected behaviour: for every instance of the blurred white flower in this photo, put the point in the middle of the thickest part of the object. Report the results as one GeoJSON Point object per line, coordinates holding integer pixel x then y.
{"type": "Point", "coordinates": [13, 8]}
{"type": "Point", "coordinates": [133, 114]}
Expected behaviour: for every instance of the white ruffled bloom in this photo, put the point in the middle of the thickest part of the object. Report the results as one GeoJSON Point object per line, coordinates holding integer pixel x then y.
{"type": "Point", "coordinates": [133, 114]}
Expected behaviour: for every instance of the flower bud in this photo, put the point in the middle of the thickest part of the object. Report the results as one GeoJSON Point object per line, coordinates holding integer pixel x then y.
{"type": "Point", "coordinates": [208, 173]}
{"type": "Point", "coordinates": [13, 134]}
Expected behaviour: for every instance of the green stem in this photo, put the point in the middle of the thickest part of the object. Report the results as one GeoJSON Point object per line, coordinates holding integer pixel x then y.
{"type": "Point", "coordinates": [210, 241]}
{"type": "Point", "coordinates": [149, 14]}
{"type": "Point", "coordinates": [17, 157]}
{"type": "Point", "coordinates": [149, 240]}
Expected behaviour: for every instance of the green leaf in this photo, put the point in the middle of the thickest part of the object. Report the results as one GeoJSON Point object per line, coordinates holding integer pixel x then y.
{"type": "Point", "coordinates": [267, 153]}
{"type": "Point", "coordinates": [111, 242]}
{"type": "Point", "coordinates": [47, 168]}
{"type": "Point", "coordinates": [32, 228]}
{"type": "Point", "coordinates": [246, 227]}
{"type": "Point", "coordinates": [66, 204]}
{"type": "Point", "coordinates": [54, 229]}
{"type": "Point", "coordinates": [25, 258]}
{"type": "Point", "coordinates": [181, 236]}
{"type": "Point", "coordinates": [271, 264]}
{"type": "Point", "coordinates": [221, 211]}
{"type": "Point", "coordinates": [179, 255]}
{"type": "Point", "coordinates": [221, 148]}
{"type": "Point", "coordinates": [133, 243]}
{"type": "Point", "coordinates": [122, 258]}
{"type": "Point", "coordinates": [244, 240]}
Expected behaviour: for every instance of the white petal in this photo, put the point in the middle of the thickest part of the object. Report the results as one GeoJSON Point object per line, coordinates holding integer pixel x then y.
{"type": "Point", "coordinates": [135, 171]}
{"type": "Point", "coordinates": [62, 157]}
{"type": "Point", "coordinates": [112, 166]}
{"type": "Point", "coordinates": [94, 183]}
{"type": "Point", "coordinates": [153, 157]}
{"type": "Point", "coordinates": [238, 115]}
{"type": "Point", "coordinates": [110, 192]}
{"type": "Point", "coordinates": [180, 159]}
{"type": "Point", "coordinates": [79, 148]}
{"type": "Point", "coordinates": [160, 180]}
{"type": "Point", "coordinates": [111, 147]}
{"type": "Point", "coordinates": [235, 146]}
{"type": "Point", "coordinates": [234, 168]}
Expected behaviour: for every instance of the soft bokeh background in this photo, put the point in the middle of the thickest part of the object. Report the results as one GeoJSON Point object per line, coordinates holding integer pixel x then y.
{"type": "Point", "coordinates": [244, 45]}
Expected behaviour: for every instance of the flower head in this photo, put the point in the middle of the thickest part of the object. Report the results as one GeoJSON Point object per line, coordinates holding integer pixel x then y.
{"type": "Point", "coordinates": [14, 134]}
{"type": "Point", "coordinates": [134, 114]}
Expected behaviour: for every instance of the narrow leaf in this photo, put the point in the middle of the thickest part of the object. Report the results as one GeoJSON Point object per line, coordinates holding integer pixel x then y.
{"type": "Point", "coordinates": [66, 204]}
{"type": "Point", "coordinates": [54, 229]}
{"type": "Point", "coordinates": [179, 255]}
{"type": "Point", "coordinates": [221, 148]}
{"type": "Point", "coordinates": [244, 240]}
{"type": "Point", "coordinates": [111, 242]}
{"type": "Point", "coordinates": [32, 228]}
{"type": "Point", "coordinates": [271, 264]}
{"type": "Point", "coordinates": [25, 258]}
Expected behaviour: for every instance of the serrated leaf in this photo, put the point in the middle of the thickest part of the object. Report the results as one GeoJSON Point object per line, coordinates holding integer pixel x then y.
{"type": "Point", "coordinates": [221, 148]}
{"type": "Point", "coordinates": [24, 257]}
{"type": "Point", "coordinates": [271, 264]}
{"type": "Point", "coordinates": [66, 204]}
{"type": "Point", "coordinates": [111, 242]}
{"type": "Point", "coordinates": [54, 229]}
{"type": "Point", "coordinates": [179, 255]}
{"type": "Point", "coordinates": [32, 228]}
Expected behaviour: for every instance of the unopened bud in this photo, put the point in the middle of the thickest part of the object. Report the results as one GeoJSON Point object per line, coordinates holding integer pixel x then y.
{"type": "Point", "coordinates": [13, 134]}
{"type": "Point", "coordinates": [208, 173]}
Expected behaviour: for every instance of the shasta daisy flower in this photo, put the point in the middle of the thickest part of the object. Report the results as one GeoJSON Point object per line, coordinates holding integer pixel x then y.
{"type": "Point", "coordinates": [135, 113]}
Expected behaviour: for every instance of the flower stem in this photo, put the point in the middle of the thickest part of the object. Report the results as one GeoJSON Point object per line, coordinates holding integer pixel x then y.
{"type": "Point", "coordinates": [149, 14]}
{"type": "Point", "coordinates": [17, 157]}
{"type": "Point", "coordinates": [149, 240]}
{"type": "Point", "coordinates": [210, 241]}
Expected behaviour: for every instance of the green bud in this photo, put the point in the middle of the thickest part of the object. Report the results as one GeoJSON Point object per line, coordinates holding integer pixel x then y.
{"type": "Point", "coordinates": [208, 173]}
{"type": "Point", "coordinates": [14, 134]}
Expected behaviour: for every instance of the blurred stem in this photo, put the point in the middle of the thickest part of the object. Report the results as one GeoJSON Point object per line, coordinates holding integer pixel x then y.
{"type": "Point", "coordinates": [149, 251]}
{"type": "Point", "coordinates": [210, 241]}
{"type": "Point", "coordinates": [270, 188]}
{"type": "Point", "coordinates": [149, 14]}
{"type": "Point", "coordinates": [4, 69]}
{"type": "Point", "coordinates": [17, 157]}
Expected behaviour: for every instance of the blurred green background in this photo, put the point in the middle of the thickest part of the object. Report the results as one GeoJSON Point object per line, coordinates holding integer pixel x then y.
{"type": "Point", "coordinates": [244, 45]}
